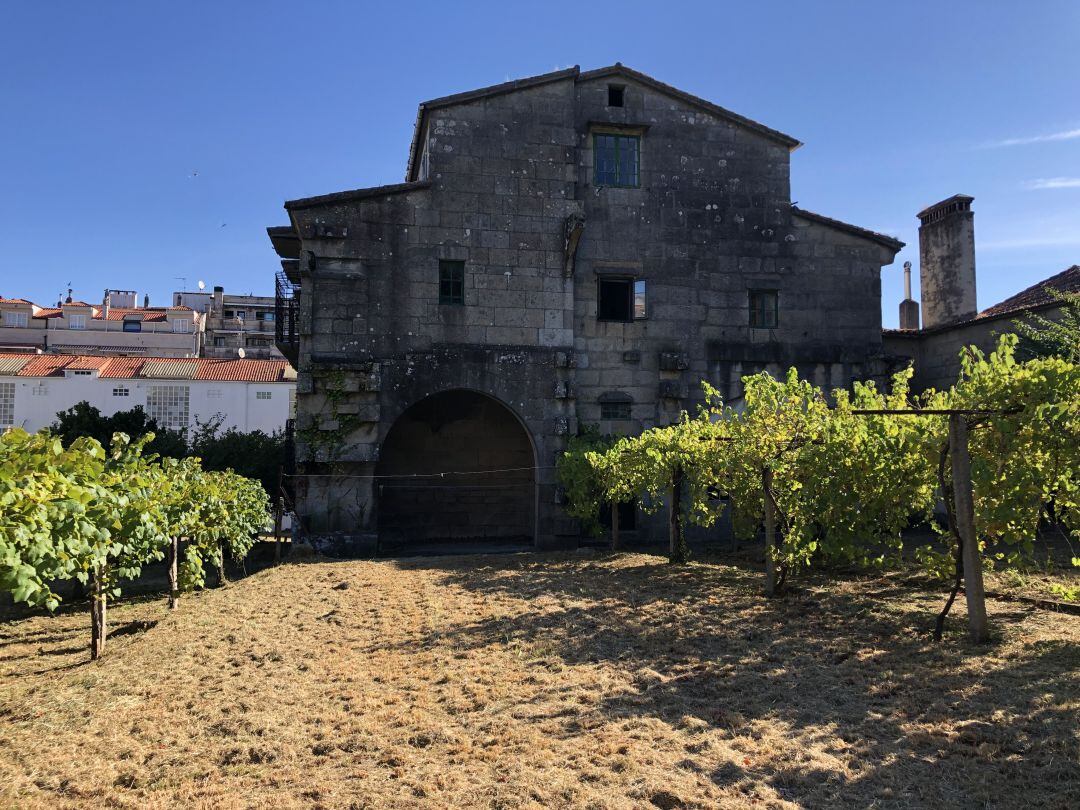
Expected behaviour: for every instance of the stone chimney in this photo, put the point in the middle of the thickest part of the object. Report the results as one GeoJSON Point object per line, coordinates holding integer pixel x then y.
{"type": "Point", "coordinates": [219, 301]}
{"type": "Point", "coordinates": [909, 309]}
{"type": "Point", "coordinates": [106, 304]}
{"type": "Point", "coordinates": [947, 261]}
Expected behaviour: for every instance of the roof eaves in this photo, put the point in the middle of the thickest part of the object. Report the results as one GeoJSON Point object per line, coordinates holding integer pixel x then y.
{"type": "Point", "coordinates": [475, 95]}
{"type": "Point", "coordinates": [887, 241]}
{"type": "Point", "coordinates": [619, 69]}
{"type": "Point", "coordinates": [355, 194]}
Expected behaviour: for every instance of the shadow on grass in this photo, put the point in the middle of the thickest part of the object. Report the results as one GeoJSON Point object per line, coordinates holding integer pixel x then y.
{"type": "Point", "coordinates": [852, 667]}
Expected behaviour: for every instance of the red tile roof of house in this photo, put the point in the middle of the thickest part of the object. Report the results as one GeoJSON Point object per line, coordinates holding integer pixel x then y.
{"type": "Point", "coordinates": [195, 368]}
{"type": "Point", "coordinates": [1067, 281]}
{"type": "Point", "coordinates": [14, 300]}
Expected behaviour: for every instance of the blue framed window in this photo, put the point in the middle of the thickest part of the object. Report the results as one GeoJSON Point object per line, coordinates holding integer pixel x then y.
{"type": "Point", "coordinates": [616, 160]}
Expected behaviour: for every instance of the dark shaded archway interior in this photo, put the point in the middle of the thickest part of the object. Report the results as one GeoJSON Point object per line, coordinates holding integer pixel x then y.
{"type": "Point", "coordinates": [460, 433]}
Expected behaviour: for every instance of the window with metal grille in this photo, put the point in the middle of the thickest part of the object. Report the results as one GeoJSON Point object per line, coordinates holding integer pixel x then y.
{"type": "Point", "coordinates": [121, 391]}
{"type": "Point", "coordinates": [764, 309]}
{"type": "Point", "coordinates": [262, 394]}
{"type": "Point", "coordinates": [615, 160]}
{"type": "Point", "coordinates": [39, 390]}
{"type": "Point", "coordinates": [451, 282]}
{"type": "Point", "coordinates": [168, 405]}
{"type": "Point", "coordinates": [7, 404]}
{"type": "Point", "coordinates": [615, 410]}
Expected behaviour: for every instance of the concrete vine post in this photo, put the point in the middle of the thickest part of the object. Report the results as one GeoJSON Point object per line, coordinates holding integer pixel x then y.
{"type": "Point", "coordinates": [965, 526]}
{"type": "Point", "coordinates": [770, 531]}
{"type": "Point", "coordinates": [98, 606]}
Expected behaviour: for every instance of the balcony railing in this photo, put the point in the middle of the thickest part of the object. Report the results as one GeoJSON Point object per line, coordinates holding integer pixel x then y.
{"type": "Point", "coordinates": [286, 309]}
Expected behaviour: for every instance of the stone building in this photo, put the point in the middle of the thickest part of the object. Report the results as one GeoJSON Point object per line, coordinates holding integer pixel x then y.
{"type": "Point", "coordinates": [951, 319]}
{"type": "Point", "coordinates": [577, 248]}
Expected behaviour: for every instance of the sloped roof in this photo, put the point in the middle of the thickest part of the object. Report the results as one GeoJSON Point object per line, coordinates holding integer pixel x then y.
{"type": "Point", "coordinates": [855, 230]}
{"type": "Point", "coordinates": [14, 300]}
{"type": "Point", "coordinates": [202, 368]}
{"type": "Point", "coordinates": [1067, 281]}
{"type": "Point", "coordinates": [575, 73]}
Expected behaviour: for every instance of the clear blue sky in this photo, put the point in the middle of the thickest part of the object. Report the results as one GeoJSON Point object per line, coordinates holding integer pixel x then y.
{"type": "Point", "coordinates": [110, 109]}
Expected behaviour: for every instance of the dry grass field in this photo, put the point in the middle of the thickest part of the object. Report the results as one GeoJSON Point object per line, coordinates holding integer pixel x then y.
{"type": "Point", "coordinates": [541, 681]}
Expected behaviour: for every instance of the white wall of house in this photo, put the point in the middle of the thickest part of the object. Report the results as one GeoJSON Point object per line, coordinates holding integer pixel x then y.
{"type": "Point", "coordinates": [246, 406]}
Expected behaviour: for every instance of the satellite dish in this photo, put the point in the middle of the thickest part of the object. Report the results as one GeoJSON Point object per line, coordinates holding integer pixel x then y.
{"type": "Point", "coordinates": [242, 353]}
{"type": "Point", "coordinates": [202, 284]}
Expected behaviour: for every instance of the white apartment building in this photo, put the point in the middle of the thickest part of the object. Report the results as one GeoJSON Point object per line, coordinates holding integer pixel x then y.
{"type": "Point", "coordinates": [175, 392]}
{"type": "Point", "coordinates": [115, 327]}
{"type": "Point", "coordinates": [234, 322]}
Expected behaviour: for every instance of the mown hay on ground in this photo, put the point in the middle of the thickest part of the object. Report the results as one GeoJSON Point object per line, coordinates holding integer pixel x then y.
{"type": "Point", "coordinates": [541, 681]}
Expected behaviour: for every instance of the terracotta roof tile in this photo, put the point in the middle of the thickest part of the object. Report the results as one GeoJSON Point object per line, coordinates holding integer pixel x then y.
{"type": "Point", "coordinates": [14, 300]}
{"type": "Point", "coordinates": [201, 368]}
{"type": "Point", "coordinates": [1067, 281]}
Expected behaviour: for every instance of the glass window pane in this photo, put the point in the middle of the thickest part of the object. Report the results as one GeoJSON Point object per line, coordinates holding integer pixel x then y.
{"type": "Point", "coordinates": [640, 310]}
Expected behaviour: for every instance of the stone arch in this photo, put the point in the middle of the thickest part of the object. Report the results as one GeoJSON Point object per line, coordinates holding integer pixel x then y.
{"type": "Point", "coordinates": [433, 480]}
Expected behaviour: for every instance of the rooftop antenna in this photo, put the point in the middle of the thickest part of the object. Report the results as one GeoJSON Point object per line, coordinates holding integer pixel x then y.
{"type": "Point", "coordinates": [183, 282]}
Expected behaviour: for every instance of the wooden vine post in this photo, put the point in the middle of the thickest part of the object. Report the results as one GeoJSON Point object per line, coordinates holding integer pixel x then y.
{"type": "Point", "coordinates": [770, 531]}
{"type": "Point", "coordinates": [279, 510]}
{"type": "Point", "coordinates": [677, 551]}
{"type": "Point", "coordinates": [964, 502]}
{"type": "Point", "coordinates": [615, 542]}
{"type": "Point", "coordinates": [174, 586]}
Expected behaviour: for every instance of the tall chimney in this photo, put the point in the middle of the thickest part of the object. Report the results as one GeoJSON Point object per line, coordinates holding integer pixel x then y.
{"type": "Point", "coordinates": [947, 261]}
{"type": "Point", "coordinates": [146, 301]}
{"type": "Point", "coordinates": [909, 309]}
{"type": "Point", "coordinates": [219, 301]}
{"type": "Point", "coordinates": [106, 302]}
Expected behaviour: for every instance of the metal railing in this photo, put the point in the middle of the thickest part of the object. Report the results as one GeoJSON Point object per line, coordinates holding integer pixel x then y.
{"type": "Point", "coordinates": [286, 309]}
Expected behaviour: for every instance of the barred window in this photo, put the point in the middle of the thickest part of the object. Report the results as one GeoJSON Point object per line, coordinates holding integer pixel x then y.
{"type": "Point", "coordinates": [451, 282]}
{"type": "Point", "coordinates": [7, 404]}
{"type": "Point", "coordinates": [168, 405]}
{"type": "Point", "coordinates": [121, 391]}
{"type": "Point", "coordinates": [615, 410]}
{"type": "Point", "coordinates": [263, 394]}
{"type": "Point", "coordinates": [39, 390]}
{"type": "Point", "coordinates": [213, 393]}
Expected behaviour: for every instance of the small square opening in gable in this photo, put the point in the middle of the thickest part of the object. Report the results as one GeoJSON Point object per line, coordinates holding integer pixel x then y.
{"type": "Point", "coordinates": [616, 95]}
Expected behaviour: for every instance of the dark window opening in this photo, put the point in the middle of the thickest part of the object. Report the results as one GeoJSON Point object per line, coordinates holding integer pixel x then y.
{"type": "Point", "coordinates": [451, 282]}
{"type": "Point", "coordinates": [615, 410]}
{"type": "Point", "coordinates": [615, 160]}
{"type": "Point", "coordinates": [132, 326]}
{"type": "Point", "coordinates": [615, 95]}
{"type": "Point", "coordinates": [764, 309]}
{"type": "Point", "coordinates": [627, 516]}
{"type": "Point", "coordinates": [621, 299]}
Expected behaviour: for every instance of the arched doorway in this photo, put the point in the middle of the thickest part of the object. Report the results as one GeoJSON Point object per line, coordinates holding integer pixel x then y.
{"type": "Point", "coordinates": [435, 481]}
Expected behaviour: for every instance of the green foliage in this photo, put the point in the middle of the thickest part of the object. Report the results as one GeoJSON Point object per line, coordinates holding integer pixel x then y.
{"type": "Point", "coordinates": [255, 454]}
{"type": "Point", "coordinates": [1025, 463]}
{"type": "Point", "coordinates": [84, 420]}
{"type": "Point", "coordinates": [584, 496]}
{"type": "Point", "coordinates": [846, 484]}
{"type": "Point", "coordinates": [1042, 337]}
